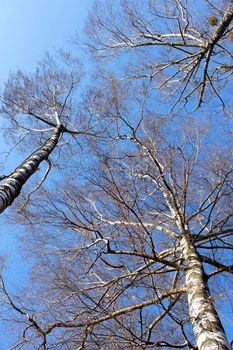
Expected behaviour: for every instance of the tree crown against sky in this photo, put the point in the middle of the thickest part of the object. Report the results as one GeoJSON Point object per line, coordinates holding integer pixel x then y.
{"type": "Point", "coordinates": [133, 235]}
{"type": "Point", "coordinates": [176, 47]}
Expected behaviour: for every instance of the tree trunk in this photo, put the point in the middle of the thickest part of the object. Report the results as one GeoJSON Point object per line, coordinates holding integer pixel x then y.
{"type": "Point", "coordinates": [207, 327]}
{"type": "Point", "coordinates": [12, 186]}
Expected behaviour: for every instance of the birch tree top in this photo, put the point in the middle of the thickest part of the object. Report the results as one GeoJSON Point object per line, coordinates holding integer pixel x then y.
{"type": "Point", "coordinates": [189, 46]}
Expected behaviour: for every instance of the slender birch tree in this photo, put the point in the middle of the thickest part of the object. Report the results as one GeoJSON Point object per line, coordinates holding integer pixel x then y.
{"type": "Point", "coordinates": [133, 247]}
{"type": "Point", "coordinates": [30, 102]}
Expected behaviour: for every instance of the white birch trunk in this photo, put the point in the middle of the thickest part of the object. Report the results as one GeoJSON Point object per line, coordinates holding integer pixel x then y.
{"type": "Point", "coordinates": [207, 327]}
{"type": "Point", "coordinates": [13, 184]}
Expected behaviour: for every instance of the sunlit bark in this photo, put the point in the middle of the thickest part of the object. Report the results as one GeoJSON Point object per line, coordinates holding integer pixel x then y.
{"type": "Point", "coordinates": [12, 186]}
{"type": "Point", "coordinates": [207, 326]}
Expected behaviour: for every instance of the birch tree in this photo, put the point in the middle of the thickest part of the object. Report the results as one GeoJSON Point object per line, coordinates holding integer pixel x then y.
{"type": "Point", "coordinates": [133, 247]}
{"type": "Point", "coordinates": [37, 104]}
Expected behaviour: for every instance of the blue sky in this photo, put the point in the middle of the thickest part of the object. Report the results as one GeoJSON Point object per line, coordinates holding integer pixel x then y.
{"type": "Point", "coordinates": [28, 28]}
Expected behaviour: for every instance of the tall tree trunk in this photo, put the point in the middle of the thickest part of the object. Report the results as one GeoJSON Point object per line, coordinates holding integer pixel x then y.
{"type": "Point", "coordinates": [207, 327]}
{"type": "Point", "coordinates": [13, 184]}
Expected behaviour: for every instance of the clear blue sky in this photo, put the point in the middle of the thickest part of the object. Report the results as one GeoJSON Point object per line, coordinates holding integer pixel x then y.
{"type": "Point", "coordinates": [28, 28]}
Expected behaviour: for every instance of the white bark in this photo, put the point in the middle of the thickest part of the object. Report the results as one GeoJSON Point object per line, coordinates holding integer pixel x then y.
{"type": "Point", "coordinates": [207, 326]}
{"type": "Point", "coordinates": [12, 186]}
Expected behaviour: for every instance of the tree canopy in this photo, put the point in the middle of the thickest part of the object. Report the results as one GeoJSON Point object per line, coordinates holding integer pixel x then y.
{"type": "Point", "coordinates": [130, 225]}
